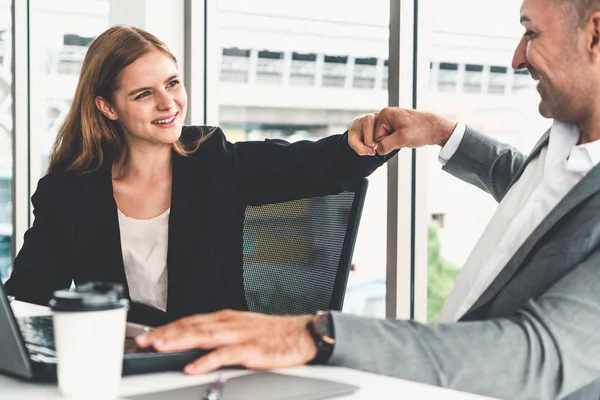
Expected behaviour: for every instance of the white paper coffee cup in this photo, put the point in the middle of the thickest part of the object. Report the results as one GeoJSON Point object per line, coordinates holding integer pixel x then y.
{"type": "Point", "coordinates": [89, 335]}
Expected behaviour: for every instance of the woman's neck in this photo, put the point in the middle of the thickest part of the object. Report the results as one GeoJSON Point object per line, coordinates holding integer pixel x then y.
{"type": "Point", "coordinates": [146, 165]}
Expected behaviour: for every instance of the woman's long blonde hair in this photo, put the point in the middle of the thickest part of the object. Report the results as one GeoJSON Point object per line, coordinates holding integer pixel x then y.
{"type": "Point", "coordinates": [87, 139]}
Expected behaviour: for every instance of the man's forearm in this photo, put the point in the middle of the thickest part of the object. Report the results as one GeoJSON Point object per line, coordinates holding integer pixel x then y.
{"type": "Point", "coordinates": [503, 359]}
{"type": "Point", "coordinates": [485, 163]}
{"type": "Point", "coordinates": [548, 350]}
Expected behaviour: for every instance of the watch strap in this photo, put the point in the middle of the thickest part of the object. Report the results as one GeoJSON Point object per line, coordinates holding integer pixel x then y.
{"type": "Point", "coordinates": [324, 344]}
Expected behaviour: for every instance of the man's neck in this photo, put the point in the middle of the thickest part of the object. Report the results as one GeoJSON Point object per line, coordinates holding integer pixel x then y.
{"type": "Point", "coordinates": [589, 130]}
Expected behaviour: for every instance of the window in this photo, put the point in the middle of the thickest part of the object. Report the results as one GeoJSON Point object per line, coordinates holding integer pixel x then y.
{"type": "Point", "coordinates": [438, 219]}
{"type": "Point", "coordinates": [304, 69]}
{"type": "Point", "coordinates": [6, 138]}
{"type": "Point", "coordinates": [487, 99]}
{"type": "Point", "coordinates": [522, 81]}
{"type": "Point", "coordinates": [473, 78]}
{"type": "Point", "coordinates": [384, 74]}
{"type": "Point", "coordinates": [59, 40]}
{"type": "Point", "coordinates": [447, 77]}
{"type": "Point", "coordinates": [497, 84]}
{"type": "Point", "coordinates": [365, 73]}
{"type": "Point", "coordinates": [235, 65]}
{"type": "Point", "coordinates": [269, 67]}
{"type": "Point", "coordinates": [71, 55]}
{"type": "Point", "coordinates": [312, 68]}
{"type": "Point", "coordinates": [2, 45]}
{"type": "Point", "coordinates": [334, 71]}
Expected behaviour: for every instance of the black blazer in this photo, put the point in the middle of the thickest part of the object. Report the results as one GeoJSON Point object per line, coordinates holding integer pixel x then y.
{"type": "Point", "coordinates": [75, 235]}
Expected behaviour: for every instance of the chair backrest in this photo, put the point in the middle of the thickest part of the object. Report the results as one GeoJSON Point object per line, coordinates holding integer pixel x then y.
{"type": "Point", "coordinates": [297, 254]}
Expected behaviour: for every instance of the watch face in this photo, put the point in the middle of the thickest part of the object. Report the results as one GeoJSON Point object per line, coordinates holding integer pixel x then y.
{"type": "Point", "coordinates": [323, 325]}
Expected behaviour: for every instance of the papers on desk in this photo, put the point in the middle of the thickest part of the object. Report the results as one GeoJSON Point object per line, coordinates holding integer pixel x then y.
{"type": "Point", "coordinates": [261, 386]}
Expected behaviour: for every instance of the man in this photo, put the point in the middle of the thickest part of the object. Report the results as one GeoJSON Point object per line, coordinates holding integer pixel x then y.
{"type": "Point", "coordinates": [524, 318]}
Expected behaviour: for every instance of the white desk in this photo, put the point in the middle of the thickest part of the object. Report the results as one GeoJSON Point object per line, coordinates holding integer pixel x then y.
{"type": "Point", "coordinates": [372, 386]}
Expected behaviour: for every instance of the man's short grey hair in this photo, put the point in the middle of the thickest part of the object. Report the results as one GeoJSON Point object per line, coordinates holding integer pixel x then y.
{"type": "Point", "coordinates": [578, 11]}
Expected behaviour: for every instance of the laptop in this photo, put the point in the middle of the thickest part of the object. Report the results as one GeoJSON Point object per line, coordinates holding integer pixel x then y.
{"type": "Point", "coordinates": [28, 352]}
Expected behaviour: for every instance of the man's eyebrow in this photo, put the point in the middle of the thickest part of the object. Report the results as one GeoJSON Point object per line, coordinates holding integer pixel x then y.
{"type": "Point", "coordinates": [525, 18]}
{"type": "Point", "coordinates": [134, 91]}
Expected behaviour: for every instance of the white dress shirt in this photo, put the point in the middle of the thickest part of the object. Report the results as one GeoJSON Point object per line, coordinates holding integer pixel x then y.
{"type": "Point", "coordinates": [544, 182]}
{"type": "Point", "coordinates": [144, 244]}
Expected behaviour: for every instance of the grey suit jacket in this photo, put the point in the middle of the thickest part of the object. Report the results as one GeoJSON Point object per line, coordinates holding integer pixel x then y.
{"type": "Point", "coordinates": [535, 332]}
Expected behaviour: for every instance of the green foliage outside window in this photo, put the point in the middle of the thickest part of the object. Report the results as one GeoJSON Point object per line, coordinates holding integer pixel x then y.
{"type": "Point", "coordinates": [441, 276]}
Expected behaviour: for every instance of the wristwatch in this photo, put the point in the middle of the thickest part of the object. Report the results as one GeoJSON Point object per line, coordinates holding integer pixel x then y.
{"type": "Point", "coordinates": [321, 330]}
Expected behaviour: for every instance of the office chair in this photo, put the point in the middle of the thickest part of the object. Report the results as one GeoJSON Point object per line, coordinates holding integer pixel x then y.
{"type": "Point", "coordinates": [297, 254]}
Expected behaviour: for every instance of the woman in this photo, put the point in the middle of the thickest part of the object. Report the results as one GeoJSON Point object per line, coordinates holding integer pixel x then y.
{"type": "Point", "coordinates": [133, 197]}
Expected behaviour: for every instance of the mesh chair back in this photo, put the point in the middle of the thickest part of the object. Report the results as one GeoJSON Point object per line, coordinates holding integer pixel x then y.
{"type": "Point", "coordinates": [297, 254]}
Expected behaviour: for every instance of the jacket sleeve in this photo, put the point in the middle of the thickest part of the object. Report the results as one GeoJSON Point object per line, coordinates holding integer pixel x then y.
{"type": "Point", "coordinates": [547, 350]}
{"type": "Point", "coordinates": [275, 170]}
{"type": "Point", "coordinates": [42, 265]}
{"type": "Point", "coordinates": [485, 163]}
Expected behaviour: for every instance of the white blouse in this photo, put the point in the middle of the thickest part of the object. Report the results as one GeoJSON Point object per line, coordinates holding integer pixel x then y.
{"type": "Point", "coordinates": [144, 244]}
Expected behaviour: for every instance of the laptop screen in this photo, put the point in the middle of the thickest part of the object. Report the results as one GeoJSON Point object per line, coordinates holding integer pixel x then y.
{"type": "Point", "coordinates": [15, 357]}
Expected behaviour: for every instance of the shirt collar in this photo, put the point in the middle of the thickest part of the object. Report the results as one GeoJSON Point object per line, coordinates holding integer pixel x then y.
{"type": "Point", "coordinates": [563, 147]}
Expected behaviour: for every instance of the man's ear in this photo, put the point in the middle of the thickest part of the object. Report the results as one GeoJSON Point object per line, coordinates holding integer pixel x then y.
{"type": "Point", "coordinates": [593, 34]}
{"type": "Point", "coordinates": [106, 108]}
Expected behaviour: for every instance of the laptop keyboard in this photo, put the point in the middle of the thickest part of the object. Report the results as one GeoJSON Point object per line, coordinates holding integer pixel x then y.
{"type": "Point", "coordinates": [37, 331]}
{"type": "Point", "coordinates": [38, 334]}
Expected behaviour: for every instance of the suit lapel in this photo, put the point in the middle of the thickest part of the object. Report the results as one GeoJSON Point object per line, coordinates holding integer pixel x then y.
{"type": "Point", "coordinates": [191, 222]}
{"type": "Point", "coordinates": [543, 142]}
{"type": "Point", "coordinates": [103, 226]}
{"type": "Point", "coordinates": [588, 186]}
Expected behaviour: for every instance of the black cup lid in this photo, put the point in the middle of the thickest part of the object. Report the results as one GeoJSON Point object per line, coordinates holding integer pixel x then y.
{"type": "Point", "coordinates": [91, 296]}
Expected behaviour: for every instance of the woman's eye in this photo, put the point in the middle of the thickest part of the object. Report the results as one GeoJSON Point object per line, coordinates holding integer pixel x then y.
{"type": "Point", "coordinates": [173, 83]}
{"type": "Point", "coordinates": [142, 95]}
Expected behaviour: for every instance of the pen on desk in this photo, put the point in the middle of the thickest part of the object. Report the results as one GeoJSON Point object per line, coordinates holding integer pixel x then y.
{"type": "Point", "coordinates": [215, 391]}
